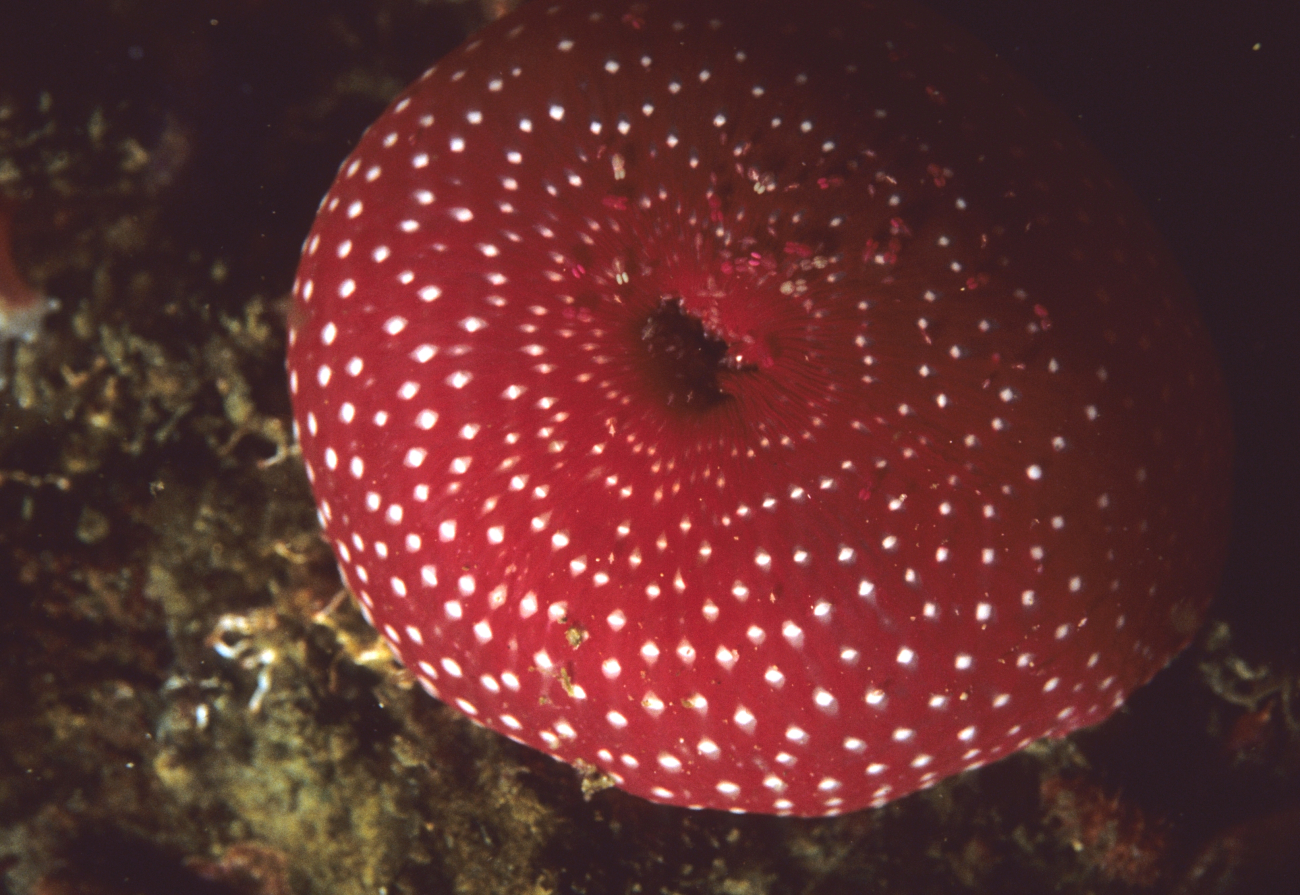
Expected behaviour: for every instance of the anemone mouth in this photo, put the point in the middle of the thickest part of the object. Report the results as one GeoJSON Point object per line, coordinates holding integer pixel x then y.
{"type": "Point", "coordinates": [687, 361]}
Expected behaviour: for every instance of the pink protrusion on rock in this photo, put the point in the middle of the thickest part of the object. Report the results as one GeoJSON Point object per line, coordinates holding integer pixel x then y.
{"type": "Point", "coordinates": [21, 307]}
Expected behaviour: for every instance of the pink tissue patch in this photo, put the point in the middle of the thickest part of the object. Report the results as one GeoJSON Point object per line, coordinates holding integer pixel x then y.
{"type": "Point", "coordinates": [774, 407]}
{"type": "Point", "coordinates": [22, 308]}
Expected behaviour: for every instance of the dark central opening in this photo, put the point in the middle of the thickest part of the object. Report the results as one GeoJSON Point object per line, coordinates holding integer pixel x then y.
{"type": "Point", "coordinates": [686, 357]}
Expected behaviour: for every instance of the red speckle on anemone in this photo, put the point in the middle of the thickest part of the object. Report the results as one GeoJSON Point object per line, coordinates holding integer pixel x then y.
{"type": "Point", "coordinates": [778, 412]}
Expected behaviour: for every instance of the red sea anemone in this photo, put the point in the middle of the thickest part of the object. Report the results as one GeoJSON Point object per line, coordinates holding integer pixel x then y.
{"type": "Point", "coordinates": [774, 407]}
